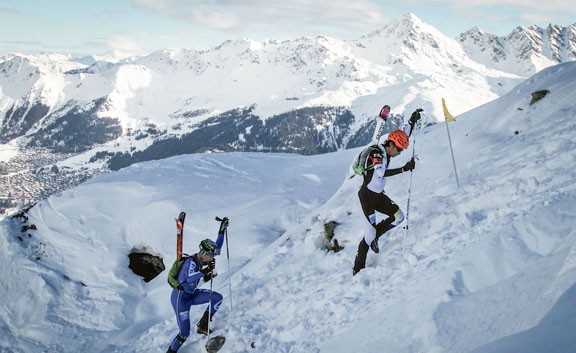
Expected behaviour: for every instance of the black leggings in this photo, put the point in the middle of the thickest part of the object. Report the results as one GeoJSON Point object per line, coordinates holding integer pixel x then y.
{"type": "Point", "coordinates": [371, 202]}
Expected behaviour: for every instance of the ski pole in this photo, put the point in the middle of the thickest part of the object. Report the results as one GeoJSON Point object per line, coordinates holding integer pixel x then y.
{"type": "Point", "coordinates": [228, 259]}
{"type": "Point", "coordinates": [408, 203]}
{"type": "Point", "coordinates": [416, 117]}
{"type": "Point", "coordinates": [210, 307]}
{"type": "Point", "coordinates": [229, 273]}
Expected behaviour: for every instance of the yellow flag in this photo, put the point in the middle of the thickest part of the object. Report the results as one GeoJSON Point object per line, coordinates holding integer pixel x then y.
{"type": "Point", "coordinates": [447, 114]}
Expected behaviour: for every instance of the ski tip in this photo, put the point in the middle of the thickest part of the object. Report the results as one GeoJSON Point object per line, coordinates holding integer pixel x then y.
{"type": "Point", "coordinates": [214, 344]}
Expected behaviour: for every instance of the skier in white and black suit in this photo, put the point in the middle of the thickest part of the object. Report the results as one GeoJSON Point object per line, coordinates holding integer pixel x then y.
{"type": "Point", "coordinates": [371, 194]}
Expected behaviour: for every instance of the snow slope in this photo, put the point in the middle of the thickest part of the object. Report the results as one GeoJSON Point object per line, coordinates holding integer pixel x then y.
{"type": "Point", "coordinates": [7, 151]}
{"type": "Point", "coordinates": [489, 267]}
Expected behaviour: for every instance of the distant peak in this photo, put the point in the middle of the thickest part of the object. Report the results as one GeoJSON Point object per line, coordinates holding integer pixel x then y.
{"type": "Point", "coordinates": [402, 27]}
{"type": "Point", "coordinates": [475, 29]}
{"type": "Point", "coordinates": [411, 18]}
{"type": "Point", "coordinates": [475, 33]}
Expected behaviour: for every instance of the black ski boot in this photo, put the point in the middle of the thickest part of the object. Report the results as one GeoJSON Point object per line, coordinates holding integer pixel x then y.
{"type": "Point", "coordinates": [202, 325]}
{"type": "Point", "coordinates": [374, 245]}
{"type": "Point", "coordinates": [360, 261]}
{"type": "Point", "coordinates": [381, 228]}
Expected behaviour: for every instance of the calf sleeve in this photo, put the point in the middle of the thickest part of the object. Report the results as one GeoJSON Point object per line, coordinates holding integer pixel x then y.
{"type": "Point", "coordinates": [389, 223]}
{"type": "Point", "coordinates": [177, 342]}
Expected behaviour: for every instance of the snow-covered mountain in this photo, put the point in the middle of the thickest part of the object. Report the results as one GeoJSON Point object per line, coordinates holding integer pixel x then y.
{"type": "Point", "coordinates": [59, 103]}
{"type": "Point", "coordinates": [489, 267]}
{"type": "Point", "coordinates": [307, 95]}
{"type": "Point", "coordinates": [524, 51]}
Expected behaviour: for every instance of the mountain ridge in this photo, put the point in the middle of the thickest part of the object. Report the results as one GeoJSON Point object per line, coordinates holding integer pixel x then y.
{"type": "Point", "coordinates": [109, 111]}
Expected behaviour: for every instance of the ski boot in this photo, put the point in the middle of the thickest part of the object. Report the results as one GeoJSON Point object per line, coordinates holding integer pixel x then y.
{"type": "Point", "coordinates": [360, 260]}
{"type": "Point", "coordinates": [202, 325]}
{"type": "Point", "coordinates": [374, 246]}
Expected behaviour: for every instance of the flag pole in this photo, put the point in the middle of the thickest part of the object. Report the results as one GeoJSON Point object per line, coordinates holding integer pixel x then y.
{"type": "Point", "coordinates": [449, 117]}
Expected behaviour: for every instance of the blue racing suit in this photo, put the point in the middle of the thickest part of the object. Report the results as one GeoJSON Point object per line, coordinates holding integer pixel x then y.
{"type": "Point", "coordinates": [189, 277]}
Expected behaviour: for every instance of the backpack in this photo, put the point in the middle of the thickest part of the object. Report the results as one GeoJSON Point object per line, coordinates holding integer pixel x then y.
{"type": "Point", "coordinates": [175, 270]}
{"type": "Point", "coordinates": [360, 164]}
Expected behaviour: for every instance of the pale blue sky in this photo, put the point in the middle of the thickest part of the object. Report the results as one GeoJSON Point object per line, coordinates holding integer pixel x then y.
{"type": "Point", "coordinates": [143, 26]}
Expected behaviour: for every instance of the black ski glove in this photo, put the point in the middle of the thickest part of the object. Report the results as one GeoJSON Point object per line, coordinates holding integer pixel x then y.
{"type": "Point", "coordinates": [223, 225]}
{"type": "Point", "coordinates": [410, 165]}
{"type": "Point", "coordinates": [212, 264]}
{"type": "Point", "coordinates": [415, 117]}
{"type": "Point", "coordinates": [208, 273]}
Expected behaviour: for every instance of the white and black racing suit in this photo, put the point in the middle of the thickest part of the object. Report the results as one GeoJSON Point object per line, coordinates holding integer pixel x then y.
{"type": "Point", "coordinates": [372, 198]}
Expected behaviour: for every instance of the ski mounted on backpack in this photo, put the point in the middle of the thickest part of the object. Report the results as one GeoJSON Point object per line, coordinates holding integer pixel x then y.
{"type": "Point", "coordinates": [380, 122]}
{"type": "Point", "coordinates": [359, 165]}
{"type": "Point", "coordinates": [179, 234]}
{"type": "Point", "coordinates": [180, 258]}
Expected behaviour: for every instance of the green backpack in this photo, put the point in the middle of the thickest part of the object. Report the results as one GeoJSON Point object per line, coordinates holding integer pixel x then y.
{"type": "Point", "coordinates": [360, 164]}
{"type": "Point", "coordinates": [175, 270]}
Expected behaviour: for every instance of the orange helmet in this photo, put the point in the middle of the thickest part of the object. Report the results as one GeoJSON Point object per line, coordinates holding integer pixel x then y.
{"type": "Point", "coordinates": [399, 138]}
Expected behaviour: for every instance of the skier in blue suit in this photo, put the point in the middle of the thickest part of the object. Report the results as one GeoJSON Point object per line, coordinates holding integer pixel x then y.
{"type": "Point", "coordinates": [198, 266]}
